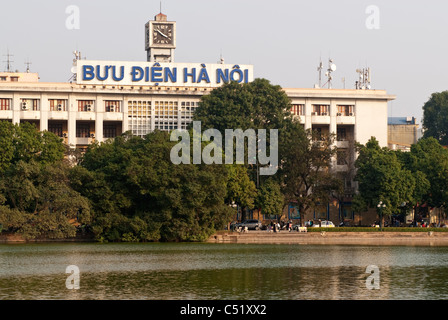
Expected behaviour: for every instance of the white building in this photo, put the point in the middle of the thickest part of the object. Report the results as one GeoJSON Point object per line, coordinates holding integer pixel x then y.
{"type": "Point", "coordinates": [112, 97]}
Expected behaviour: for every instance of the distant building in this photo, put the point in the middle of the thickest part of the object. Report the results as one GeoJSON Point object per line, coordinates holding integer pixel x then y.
{"type": "Point", "coordinates": [402, 132]}
{"type": "Point", "coordinates": [18, 77]}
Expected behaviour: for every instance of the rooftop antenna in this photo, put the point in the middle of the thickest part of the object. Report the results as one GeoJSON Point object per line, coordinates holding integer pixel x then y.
{"type": "Point", "coordinates": [27, 63]}
{"type": "Point", "coordinates": [77, 55]}
{"type": "Point", "coordinates": [331, 68]}
{"type": "Point", "coordinates": [319, 68]}
{"type": "Point", "coordinates": [160, 6]}
{"type": "Point", "coordinates": [364, 79]}
{"type": "Point", "coordinates": [221, 59]}
{"type": "Point", "coordinates": [75, 62]}
{"type": "Point", "coordinates": [8, 61]}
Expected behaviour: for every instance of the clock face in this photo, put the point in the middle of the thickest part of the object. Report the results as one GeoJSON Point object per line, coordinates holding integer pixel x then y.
{"type": "Point", "coordinates": [162, 33]}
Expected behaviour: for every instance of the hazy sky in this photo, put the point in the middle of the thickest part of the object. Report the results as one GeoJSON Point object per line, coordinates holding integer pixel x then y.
{"type": "Point", "coordinates": [283, 39]}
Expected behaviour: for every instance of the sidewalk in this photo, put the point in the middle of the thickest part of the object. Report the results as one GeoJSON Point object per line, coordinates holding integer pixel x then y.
{"type": "Point", "coordinates": [333, 238]}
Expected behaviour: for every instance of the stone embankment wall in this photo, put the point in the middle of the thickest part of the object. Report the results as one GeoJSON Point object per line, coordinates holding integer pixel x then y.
{"type": "Point", "coordinates": [348, 238]}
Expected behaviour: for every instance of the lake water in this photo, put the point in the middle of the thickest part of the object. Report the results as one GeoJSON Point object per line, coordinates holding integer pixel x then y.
{"type": "Point", "coordinates": [197, 271]}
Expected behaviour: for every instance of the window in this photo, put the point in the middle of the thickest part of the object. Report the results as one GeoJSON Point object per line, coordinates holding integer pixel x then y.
{"type": "Point", "coordinates": [57, 105]}
{"type": "Point", "coordinates": [83, 130]}
{"type": "Point", "coordinates": [341, 134]}
{"type": "Point", "coordinates": [5, 104]}
{"type": "Point", "coordinates": [140, 115]}
{"type": "Point", "coordinates": [187, 109]}
{"type": "Point", "coordinates": [56, 128]}
{"type": "Point", "coordinates": [298, 109]}
{"type": "Point", "coordinates": [2, 78]}
{"type": "Point", "coordinates": [320, 110]}
{"type": "Point", "coordinates": [341, 157]}
{"type": "Point", "coordinates": [85, 105]}
{"type": "Point", "coordinates": [112, 106]}
{"type": "Point", "coordinates": [14, 79]}
{"type": "Point", "coordinates": [109, 131]}
{"type": "Point", "coordinates": [345, 110]}
{"type": "Point", "coordinates": [29, 104]}
{"type": "Point", "coordinates": [320, 212]}
{"type": "Point", "coordinates": [347, 211]}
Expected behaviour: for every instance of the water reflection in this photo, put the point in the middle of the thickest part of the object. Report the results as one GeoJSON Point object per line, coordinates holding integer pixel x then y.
{"type": "Point", "coordinates": [221, 271]}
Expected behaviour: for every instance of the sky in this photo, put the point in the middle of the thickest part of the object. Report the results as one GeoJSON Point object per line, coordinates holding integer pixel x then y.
{"type": "Point", "coordinates": [402, 42]}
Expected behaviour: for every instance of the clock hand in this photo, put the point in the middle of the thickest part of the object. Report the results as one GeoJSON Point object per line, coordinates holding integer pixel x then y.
{"type": "Point", "coordinates": [161, 33]}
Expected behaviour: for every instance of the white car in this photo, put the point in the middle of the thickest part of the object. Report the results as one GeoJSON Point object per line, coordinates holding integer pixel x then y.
{"type": "Point", "coordinates": [324, 224]}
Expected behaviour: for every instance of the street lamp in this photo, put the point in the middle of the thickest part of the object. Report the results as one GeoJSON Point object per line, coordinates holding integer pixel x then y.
{"type": "Point", "coordinates": [235, 206]}
{"type": "Point", "coordinates": [381, 206]}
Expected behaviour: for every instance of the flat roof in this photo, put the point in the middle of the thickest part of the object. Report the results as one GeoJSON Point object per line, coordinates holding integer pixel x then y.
{"type": "Point", "coordinates": [401, 121]}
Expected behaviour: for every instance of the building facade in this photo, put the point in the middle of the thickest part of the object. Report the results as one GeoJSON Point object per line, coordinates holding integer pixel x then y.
{"type": "Point", "coordinates": [402, 132]}
{"type": "Point", "coordinates": [110, 97]}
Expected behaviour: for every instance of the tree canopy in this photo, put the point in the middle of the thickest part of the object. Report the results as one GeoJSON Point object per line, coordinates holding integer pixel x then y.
{"type": "Point", "coordinates": [136, 192]}
{"type": "Point", "coordinates": [382, 178]}
{"type": "Point", "coordinates": [36, 198]}
{"type": "Point", "coordinates": [435, 117]}
{"type": "Point", "coordinates": [304, 162]}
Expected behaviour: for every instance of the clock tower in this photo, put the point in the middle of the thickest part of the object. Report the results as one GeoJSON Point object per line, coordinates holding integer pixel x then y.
{"type": "Point", "coordinates": [160, 37]}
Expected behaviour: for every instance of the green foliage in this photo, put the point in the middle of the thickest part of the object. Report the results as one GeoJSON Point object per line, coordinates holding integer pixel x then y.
{"type": "Point", "coordinates": [240, 189]}
{"type": "Point", "coordinates": [435, 119]}
{"type": "Point", "coordinates": [430, 160]}
{"type": "Point", "coordinates": [270, 198]}
{"type": "Point", "coordinates": [304, 174]}
{"type": "Point", "coordinates": [254, 105]}
{"type": "Point", "coordinates": [36, 199]}
{"type": "Point", "coordinates": [382, 177]}
{"type": "Point", "coordinates": [137, 193]}
{"type": "Point", "coordinates": [306, 169]}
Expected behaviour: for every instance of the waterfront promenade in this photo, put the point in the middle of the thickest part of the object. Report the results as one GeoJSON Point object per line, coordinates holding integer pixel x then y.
{"type": "Point", "coordinates": [333, 238]}
{"type": "Point", "coordinates": [423, 238]}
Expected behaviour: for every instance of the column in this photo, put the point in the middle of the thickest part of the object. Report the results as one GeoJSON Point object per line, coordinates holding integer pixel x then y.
{"type": "Point", "coordinates": [333, 127]}
{"type": "Point", "coordinates": [16, 108]}
{"type": "Point", "coordinates": [125, 112]}
{"type": "Point", "coordinates": [71, 123]}
{"type": "Point", "coordinates": [308, 110]}
{"type": "Point", "coordinates": [99, 110]}
{"type": "Point", "coordinates": [44, 109]}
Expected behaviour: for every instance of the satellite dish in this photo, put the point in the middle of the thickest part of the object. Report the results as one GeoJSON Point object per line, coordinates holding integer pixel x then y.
{"type": "Point", "coordinates": [73, 69]}
{"type": "Point", "coordinates": [333, 67]}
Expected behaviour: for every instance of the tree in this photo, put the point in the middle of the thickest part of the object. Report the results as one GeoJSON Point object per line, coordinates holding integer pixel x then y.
{"type": "Point", "coordinates": [270, 198]}
{"type": "Point", "coordinates": [23, 142]}
{"type": "Point", "coordinates": [306, 172]}
{"type": "Point", "coordinates": [255, 105]}
{"type": "Point", "coordinates": [303, 162]}
{"type": "Point", "coordinates": [428, 162]}
{"type": "Point", "coordinates": [146, 196]}
{"type": "Point", "coordinates": [36, 199]}
{"type": "Point", "coordinates": [435, 117]}
{"type": "Point", "coordinates": [240, 189]}
{"type": "Point", "coordinates": [382, 178]}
